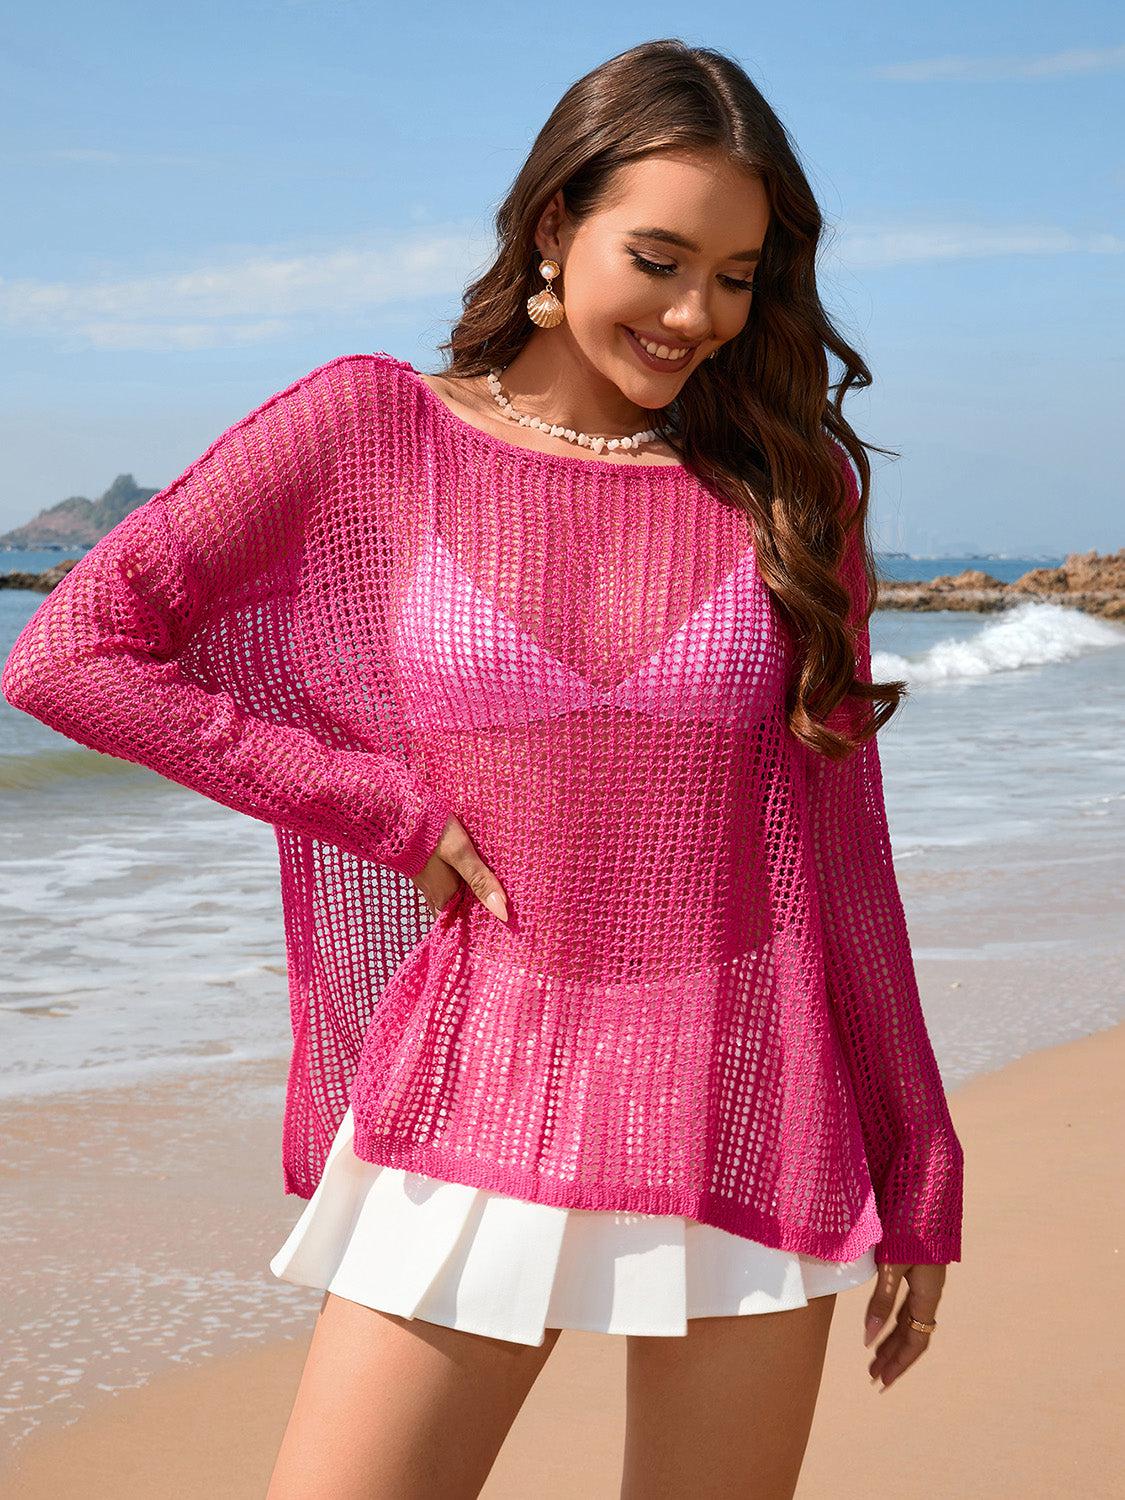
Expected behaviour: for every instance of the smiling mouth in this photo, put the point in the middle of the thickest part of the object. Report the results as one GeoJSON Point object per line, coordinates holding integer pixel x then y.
{"type": "Point", "coordinates": [673, 359]}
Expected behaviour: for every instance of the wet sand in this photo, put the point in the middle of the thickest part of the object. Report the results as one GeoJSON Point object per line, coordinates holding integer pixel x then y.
{"type": "Point", "coordinates": [1019, 1395]}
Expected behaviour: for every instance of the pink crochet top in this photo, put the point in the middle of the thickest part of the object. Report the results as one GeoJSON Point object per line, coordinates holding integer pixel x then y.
{"type": "Point", "coordinates": [357, 613]}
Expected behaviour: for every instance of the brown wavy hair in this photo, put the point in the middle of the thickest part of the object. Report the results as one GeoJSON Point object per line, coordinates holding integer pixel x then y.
{"type": "Point", "coordinates": [752, 422]}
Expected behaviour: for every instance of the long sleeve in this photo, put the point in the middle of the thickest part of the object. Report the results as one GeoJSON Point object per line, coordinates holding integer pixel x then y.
{"type": "Point", "coordinates": [112, 658]}
{"type": "Point", "coordinates": [914, 1155]}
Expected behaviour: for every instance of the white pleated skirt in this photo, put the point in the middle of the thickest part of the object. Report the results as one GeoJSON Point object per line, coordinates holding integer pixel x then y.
{"type": "Point", "coordinates": [491, 1264]}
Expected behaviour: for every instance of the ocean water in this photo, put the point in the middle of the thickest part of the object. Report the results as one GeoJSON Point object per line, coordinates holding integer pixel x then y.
{"type": "Point", "coordinates": [142, 922]}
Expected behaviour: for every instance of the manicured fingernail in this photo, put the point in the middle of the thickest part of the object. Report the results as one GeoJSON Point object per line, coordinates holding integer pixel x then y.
{"type": "Point", "coordinates": [498, 905]}
{"type": "Point", "coordinates": [873, 1326]}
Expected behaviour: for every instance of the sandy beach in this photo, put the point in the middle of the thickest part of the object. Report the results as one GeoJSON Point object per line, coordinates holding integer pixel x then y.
{"type": "Point", "coordinates": [1019, 1396]}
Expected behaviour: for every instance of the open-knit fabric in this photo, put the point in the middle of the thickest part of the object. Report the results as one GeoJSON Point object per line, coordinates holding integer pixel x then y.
{"type": "Point", "coordinates": [356, 614]}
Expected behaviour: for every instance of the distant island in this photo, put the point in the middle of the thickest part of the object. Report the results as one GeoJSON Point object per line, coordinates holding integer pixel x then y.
{"type": "Point", "coordinates": [77, 521]}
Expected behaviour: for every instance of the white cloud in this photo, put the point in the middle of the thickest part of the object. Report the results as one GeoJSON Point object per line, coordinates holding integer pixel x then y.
{"type": "Point", "coordinates": [82, 155]}
{"type": "Point", "coordinates": [183, 336]}
{"type": "Point", "coordinates": [97, 157]}
{"type": "Point", "coordinates": [1075, 60]}
{"type": "Point", "coordinates": [248, 300]}
{"type": "Point", "coordinates": [893, 245]}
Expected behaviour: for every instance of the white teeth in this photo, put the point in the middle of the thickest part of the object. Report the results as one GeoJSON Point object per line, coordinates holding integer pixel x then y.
{"type": "Point", "coordinates": [661, 351]}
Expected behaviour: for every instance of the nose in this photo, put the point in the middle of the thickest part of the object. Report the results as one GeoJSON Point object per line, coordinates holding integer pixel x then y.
{"type": "Point", "coordinates": [688, 322]}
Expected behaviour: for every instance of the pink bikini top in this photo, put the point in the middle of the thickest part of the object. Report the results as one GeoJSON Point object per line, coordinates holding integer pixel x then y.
{"type": "Point", "coordinates": [469, 666]}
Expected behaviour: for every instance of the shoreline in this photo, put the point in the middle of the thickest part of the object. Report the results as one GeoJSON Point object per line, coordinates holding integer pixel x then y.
{"type": "Point", "coordinates": [1022, 1373]}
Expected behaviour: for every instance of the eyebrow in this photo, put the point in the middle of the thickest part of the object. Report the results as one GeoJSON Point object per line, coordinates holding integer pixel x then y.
{"type": "Point", "coordinates": [670, 237]}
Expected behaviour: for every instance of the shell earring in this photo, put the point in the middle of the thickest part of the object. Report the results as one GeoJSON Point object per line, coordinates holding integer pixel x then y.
{"type": "Point", "coordinates": [544, 308]}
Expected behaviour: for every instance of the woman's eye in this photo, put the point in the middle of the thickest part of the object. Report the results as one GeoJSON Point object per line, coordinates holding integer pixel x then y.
{"type": "Point", "coordinates": [657, 268]}
{"type": "Point", "coordinates": [653, 267]}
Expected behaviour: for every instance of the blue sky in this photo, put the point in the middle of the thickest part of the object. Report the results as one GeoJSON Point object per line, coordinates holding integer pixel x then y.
{"type": "Point", "coordinates": [206, 201]}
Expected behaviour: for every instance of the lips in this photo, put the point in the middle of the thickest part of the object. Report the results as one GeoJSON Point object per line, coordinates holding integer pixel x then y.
{"type": "Point", "coordinates": [654, 361]}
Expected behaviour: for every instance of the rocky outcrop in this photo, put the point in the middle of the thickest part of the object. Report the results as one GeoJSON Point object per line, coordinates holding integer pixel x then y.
{"type": "Point", "coordinates": [41, 583]}
{"type": "Point", "coordinates": [1087, 580]}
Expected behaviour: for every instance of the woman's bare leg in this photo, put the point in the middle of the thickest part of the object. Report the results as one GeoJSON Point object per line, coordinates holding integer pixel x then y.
{"type": "Point", "coordinates": [392, 1408]}
{"type": "Point", "coordinates": [727, 1409]}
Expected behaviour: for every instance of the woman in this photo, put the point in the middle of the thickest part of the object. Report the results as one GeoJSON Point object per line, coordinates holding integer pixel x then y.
{"type": "Point", "coordinates": [565, 648]}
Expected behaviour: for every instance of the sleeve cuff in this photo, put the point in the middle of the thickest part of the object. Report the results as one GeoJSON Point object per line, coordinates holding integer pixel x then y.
{"type": "Point", "coordinates": [906, 1249]}
{"type": "Point", "coordinates": [415, 853]}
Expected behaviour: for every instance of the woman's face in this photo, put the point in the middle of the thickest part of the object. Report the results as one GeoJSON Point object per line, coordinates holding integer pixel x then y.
{"type": "Point", "coordinates": [672, 257]}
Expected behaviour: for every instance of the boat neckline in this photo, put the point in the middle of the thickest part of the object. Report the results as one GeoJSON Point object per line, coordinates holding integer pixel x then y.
{"type": "Point", "coordinates": [490, 440]}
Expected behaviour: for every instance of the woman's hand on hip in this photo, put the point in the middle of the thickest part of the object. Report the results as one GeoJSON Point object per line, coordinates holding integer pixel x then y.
{"type": "Point", "coordinates": [453, 863]}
